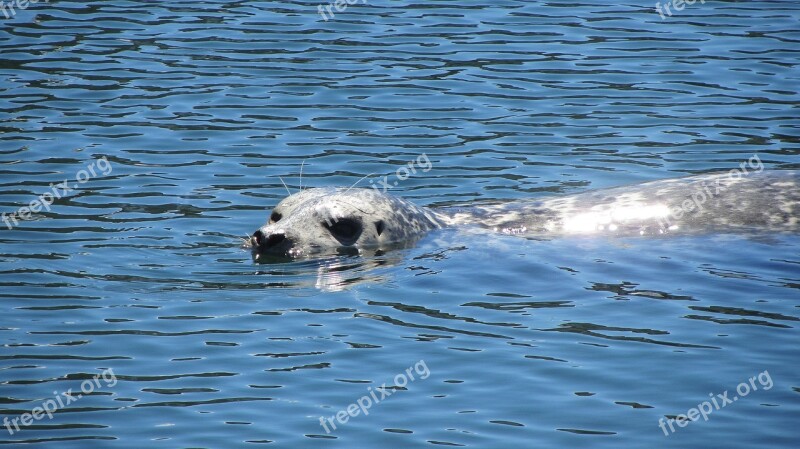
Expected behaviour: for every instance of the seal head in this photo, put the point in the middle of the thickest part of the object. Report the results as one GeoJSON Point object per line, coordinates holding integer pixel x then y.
{"type": "Point", "coordinates": [342, 220]}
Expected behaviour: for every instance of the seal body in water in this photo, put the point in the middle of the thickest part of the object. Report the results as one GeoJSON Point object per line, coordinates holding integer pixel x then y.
{"type": "Point", "coordinates": [317, 220]}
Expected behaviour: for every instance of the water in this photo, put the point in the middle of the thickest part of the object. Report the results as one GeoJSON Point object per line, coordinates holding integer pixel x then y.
{"type": "Point", "coordinates": [201, 108]}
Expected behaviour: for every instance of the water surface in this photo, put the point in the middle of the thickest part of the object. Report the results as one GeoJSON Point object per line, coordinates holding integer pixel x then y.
{"type": "Point", "coordinates": [204, 109]}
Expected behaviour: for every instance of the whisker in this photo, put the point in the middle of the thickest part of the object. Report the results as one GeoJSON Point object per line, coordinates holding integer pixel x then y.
{"type": "Point", "coordinates": [301, 174]}
{"type": "Point", "coordinates": [284, 185]}
{"type": "Point", "coordinates": [354, 184]}
{"type": "Point", "coordinates": [247, 243]}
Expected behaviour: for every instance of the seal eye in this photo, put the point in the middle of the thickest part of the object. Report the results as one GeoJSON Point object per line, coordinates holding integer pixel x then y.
{"type": "Point", "coordinates": [345, 230]}
{"type": "Point", "coordinates": [275, 217]}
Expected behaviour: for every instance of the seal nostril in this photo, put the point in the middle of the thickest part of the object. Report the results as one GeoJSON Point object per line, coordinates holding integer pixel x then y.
{"type": "Point", "coordinates": [258, 237]}
{"type": "Point", "coordinates": [273, 240]}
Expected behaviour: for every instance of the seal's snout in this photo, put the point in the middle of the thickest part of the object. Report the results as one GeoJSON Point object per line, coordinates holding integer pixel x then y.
{"type": "Point", "coordinates": [264, 241]}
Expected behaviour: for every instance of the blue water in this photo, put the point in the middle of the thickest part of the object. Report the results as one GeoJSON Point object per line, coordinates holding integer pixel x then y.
{"type": "Point", "coordinates": [192, 114]}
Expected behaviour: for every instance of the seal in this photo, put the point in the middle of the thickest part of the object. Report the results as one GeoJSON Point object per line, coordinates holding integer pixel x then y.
{"type": "Point", "coordinates": [325, 219]}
